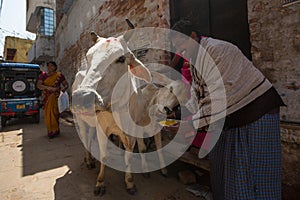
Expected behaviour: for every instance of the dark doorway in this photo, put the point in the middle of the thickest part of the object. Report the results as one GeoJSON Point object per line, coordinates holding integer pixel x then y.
{"type": "Point", "coordinates": [220, 19]}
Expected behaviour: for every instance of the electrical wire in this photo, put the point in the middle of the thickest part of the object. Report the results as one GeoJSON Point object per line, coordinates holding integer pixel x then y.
{"type": "Point", "coordinates": [14, 33]}
{"type": "Point", "coordinates": [1, 3]}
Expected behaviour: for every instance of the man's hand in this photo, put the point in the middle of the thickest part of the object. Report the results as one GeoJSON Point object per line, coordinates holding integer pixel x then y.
{"type": "Point", "coordinates": [186, 128]}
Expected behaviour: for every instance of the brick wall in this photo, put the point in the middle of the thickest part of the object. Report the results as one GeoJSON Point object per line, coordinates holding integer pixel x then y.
{"type": "Point", "coordinates": [59, 10]}
{"type": "Point", "coordinates": [106, 18]}
{"type": "Point", "coordinates": [275, 39]}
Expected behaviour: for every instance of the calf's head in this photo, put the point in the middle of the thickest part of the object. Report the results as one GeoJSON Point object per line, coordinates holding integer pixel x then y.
{"type": "Point", "coordinates": [171, 96]}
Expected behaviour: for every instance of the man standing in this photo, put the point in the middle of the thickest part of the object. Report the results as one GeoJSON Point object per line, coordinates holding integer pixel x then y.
{"type": "Point", "coordinates": [246, 160]}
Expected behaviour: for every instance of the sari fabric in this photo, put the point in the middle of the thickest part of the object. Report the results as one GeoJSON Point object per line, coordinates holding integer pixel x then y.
{"type": "Point", "coordinates": [50, 102]}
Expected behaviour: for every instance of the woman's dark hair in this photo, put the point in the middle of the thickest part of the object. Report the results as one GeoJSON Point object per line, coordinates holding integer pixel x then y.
{"type": "Point", "coordinates": [52, 63]}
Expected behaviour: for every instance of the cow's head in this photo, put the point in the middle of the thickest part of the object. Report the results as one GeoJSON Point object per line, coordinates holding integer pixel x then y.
{"type": "Point", "coordinates": [170, 96]}
{"type": "Point", "coordinates": [100, 57]}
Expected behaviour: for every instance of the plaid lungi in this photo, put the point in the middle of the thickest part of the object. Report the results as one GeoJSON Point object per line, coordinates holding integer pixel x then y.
{"type": "Point", "coordinates": [246, 161]}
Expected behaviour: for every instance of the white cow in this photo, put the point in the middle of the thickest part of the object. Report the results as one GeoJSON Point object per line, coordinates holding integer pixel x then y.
{"type": "Point", "coordinates": [108, 60]}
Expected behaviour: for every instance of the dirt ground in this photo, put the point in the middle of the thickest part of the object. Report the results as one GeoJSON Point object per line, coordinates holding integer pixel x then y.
{"type": "Point", "coordinates": [35, 167]}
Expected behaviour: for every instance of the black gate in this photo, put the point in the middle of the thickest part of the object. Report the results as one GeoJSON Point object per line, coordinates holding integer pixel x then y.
{"type": "Point", "coordinates": [221, 19]}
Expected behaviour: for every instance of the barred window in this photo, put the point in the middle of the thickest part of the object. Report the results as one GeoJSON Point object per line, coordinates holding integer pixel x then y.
{"type": "Point", "coordinates": [47, 22]}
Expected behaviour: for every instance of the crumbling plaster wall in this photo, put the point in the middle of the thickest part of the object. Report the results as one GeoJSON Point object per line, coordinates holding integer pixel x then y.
{"type": "Point", "coordinates": [107, 18]}
{"type": "Point", "coordinates": [275, 39]}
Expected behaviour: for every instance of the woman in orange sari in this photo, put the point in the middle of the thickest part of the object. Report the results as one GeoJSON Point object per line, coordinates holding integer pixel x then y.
{"type": "Point", "coordinates": [50, 83]}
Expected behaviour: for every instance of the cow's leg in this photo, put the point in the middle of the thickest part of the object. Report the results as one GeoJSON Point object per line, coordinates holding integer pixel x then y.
{"type": "Point", "coordinates": [85, 136]}
{"type": "Point", "coordinates": [158, 143]}
{"type": "Point", "coordinates": [129, 145]}
{"type": "Point", "coordinates": [130, 186]}
{"type": "Point", "coordinates": [102, 131]}
{"type": "Point", "coordinates": [100, 185]}
{"type": "Point", "coordinates": [89, 159]}
{"type": "Point", "coordinates": [108, 125]}
{"type": "Point", "coordinates": [142, 150]}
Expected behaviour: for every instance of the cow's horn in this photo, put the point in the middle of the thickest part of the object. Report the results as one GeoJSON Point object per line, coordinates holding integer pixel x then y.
{"type": "Point", "coordinates": [128, 34]}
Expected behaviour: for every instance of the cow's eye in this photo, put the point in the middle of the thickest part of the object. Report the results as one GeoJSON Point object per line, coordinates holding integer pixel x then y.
{"type": "Point", "coordinates": [121, 59]}
{"type": "Point", "coordinates": [168, 111]}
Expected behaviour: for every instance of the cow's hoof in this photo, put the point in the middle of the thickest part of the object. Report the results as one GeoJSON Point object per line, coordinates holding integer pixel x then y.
{"type": "Point", "coordinates": [146, 175]}
{"type": "Point", "coordinates": [99, 191]}
{"type": "Point", "coordinates": [132, 191]}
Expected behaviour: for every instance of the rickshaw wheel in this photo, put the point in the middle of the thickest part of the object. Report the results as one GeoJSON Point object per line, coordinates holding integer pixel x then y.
{"type": "Point", "coordinates": [3, 121]}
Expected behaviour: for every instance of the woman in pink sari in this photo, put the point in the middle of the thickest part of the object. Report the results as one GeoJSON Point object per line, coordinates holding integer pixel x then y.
{"type": "Point", "coordinates": [50, 84]}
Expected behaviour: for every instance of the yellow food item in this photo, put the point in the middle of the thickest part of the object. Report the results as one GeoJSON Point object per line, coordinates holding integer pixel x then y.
{"type": "Point", "coordinates": [168, 122]}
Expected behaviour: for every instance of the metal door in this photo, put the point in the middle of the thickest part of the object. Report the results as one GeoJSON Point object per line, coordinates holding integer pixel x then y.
{"type": "Point", "coordinates": [220, 19]}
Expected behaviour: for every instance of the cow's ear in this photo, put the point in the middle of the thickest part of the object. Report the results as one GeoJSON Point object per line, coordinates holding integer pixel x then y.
{"type": "Point", "coordinates": [94, 36]}
{"type": "Point", "coordinates": [140, 72]}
